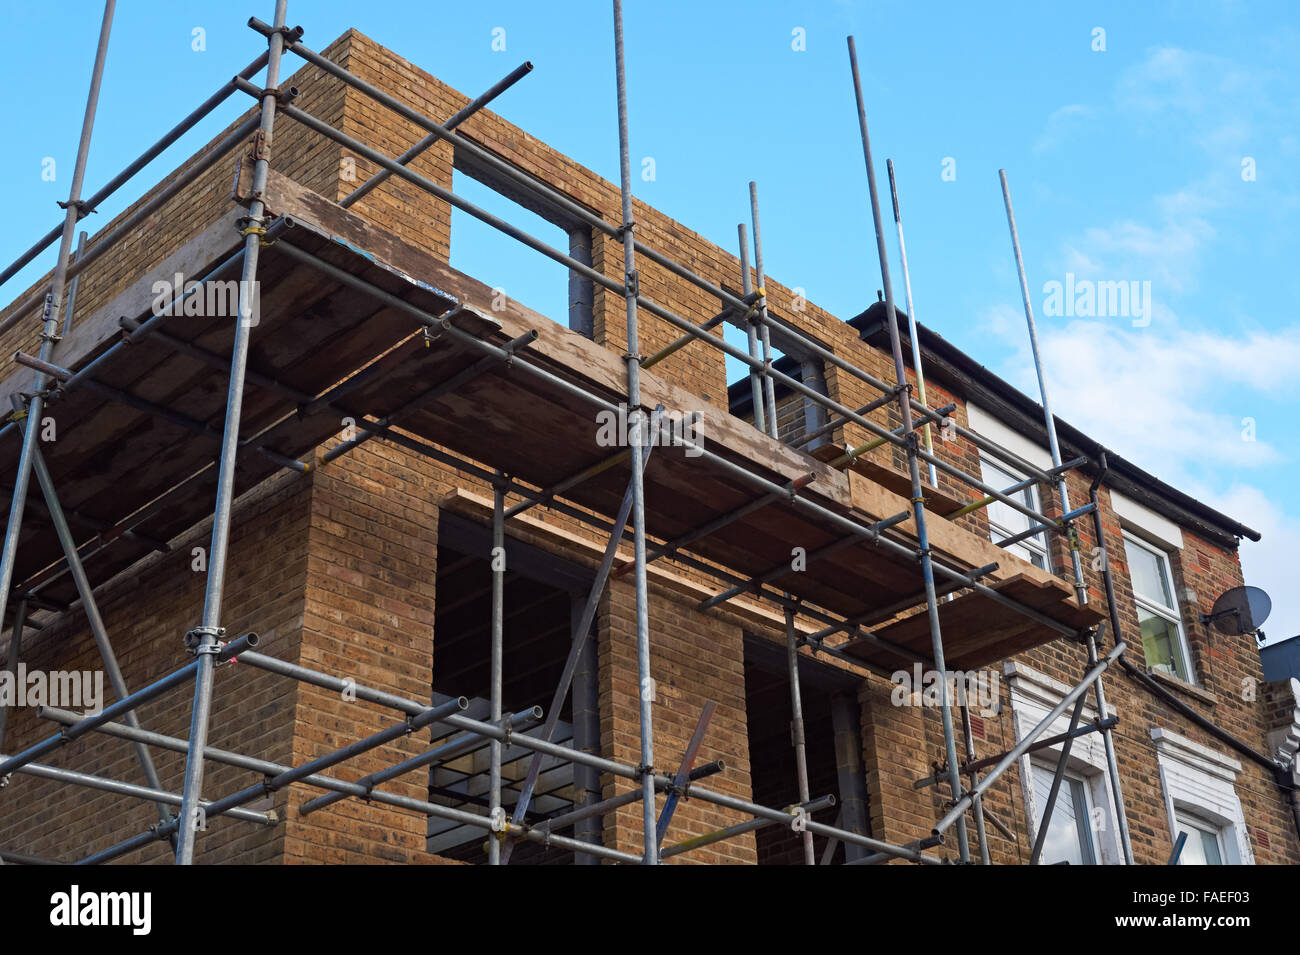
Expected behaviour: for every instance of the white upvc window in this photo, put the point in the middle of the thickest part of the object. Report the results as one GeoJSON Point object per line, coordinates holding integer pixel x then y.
{"type": "Point", "coordinates": [1164, 641]}
{"type": "Point", "coordinates": [1201, 800]}
{"type": "Point", "coordinates": [1070, 836]}
{"type": "Point", "coordinates": [1005, 521]}
{"type": "Point", "coordinates": [1083, 830]}
{"type": "Point", "coordinates": [1205, 839]}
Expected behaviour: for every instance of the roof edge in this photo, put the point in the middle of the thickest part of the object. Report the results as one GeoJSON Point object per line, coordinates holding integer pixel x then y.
{"type": "Point", "coordinates": [1022, 414]}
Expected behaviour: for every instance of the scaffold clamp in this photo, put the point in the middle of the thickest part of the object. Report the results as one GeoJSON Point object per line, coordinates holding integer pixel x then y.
{"type": "Point", "coordinates": [196, 644]}
{"type": "Point", "coordinates": [83, 208]}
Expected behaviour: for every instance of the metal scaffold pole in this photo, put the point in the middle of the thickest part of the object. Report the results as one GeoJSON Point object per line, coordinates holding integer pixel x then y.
{"type": "Point", "coordinates": [797, 734]}
{"type": "Point", "coordinates": [764, 334]}
{"type": "Point", "coordinates": [52, 314]}
{"type": "Point", "coordinates": [977, 804]}
{"type": "Point", "coordinates": [1080, 589]}
{"type": "Point", "coordinates": [1108, 741]}
{"type": "Point", "coordinates": [911, 317]}
{"type": "Point", "coordinates": [499, 734]}
{"type": "Point", "coordinates": [752, 325]}
{"type": "Point", "coordinates": [645, 682]}
{"type": "Point", "coordinates": [498, 563]}
{"type": "Point", "coordinates": [204, 640]}
{"type": "Point", "coordinates": [918, 501]}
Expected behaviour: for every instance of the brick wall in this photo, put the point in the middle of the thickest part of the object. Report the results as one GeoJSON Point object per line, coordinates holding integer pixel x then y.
{"type": "Point", "coordinates": [339, 569]}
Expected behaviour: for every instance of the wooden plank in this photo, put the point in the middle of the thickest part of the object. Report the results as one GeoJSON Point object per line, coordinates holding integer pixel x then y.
{"type": "Point", "coordinates": [936, 500]}
{"type": "Point", "coordinates": [953, 543]}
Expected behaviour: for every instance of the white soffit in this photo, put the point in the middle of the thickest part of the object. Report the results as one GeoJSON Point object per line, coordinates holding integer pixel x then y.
{"type": "Point", "coordinates": [1146, 522]}
{"type": "Point", "coordinates": [987, 426]}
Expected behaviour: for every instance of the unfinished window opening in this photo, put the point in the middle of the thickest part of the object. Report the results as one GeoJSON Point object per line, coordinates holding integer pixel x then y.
{"type": "Point", "coordinates": [512, 269]}
{"type": "Point", "coordinates": [543, 597]}
{"type": "Point", "coordinates": [834, 740]}
{"type": "Point", "coordinates": [799, 419]}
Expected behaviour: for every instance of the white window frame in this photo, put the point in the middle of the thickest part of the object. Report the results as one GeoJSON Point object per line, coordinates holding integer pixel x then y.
{"type": "Point", "coordinates": [1172, 614]}
{"type": "Point", "coordinates": [1199, 782]}
{"type": "Point", "coordinates": [1088, 784]}
{"type": "Point", "coordinates": [1191, 822]}
{"type": "Point", "coordinates": [1033, 696]}
{"type": "Point", "coordinates": [1036, 544]}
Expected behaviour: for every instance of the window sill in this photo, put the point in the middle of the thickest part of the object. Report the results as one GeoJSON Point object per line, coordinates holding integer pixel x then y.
{"type": "Point", "coordinates": [1182, 686]}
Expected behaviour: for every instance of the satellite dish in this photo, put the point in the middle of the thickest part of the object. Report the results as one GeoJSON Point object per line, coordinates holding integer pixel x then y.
{"type": "Point", "coordinates": [1240, 610]}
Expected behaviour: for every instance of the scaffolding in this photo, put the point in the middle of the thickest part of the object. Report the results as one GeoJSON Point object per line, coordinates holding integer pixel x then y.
{"type": "Point", "coordinates": [462, 340]}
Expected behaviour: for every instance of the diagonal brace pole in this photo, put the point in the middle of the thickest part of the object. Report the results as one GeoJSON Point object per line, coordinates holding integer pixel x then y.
{"type": "Point", "coordinates": [683, 772]}
{"type": "Point", "coordinates": [1057, 776]}
{"type": "Point", "coordinates": [93, 616]}
{"type": "Point", "coordinates": [580, 637]}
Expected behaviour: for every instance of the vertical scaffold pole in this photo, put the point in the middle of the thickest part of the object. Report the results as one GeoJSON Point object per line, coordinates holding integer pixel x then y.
{"type": "Point", "coordinates": [645, 682]}
{"type": "Point", "coordinates": [769, 387]}
{"type": "Point", "coordinates": [498, 607]}
{"type": "Point", "coordinates": [746, 287]}
{"type": "Point", "coordinates": [1108, 581]}
{"type": "Point", "coordinates": [797, 734]}
{"type": "Point", "coordinates": [1080, 590]}
{"type": "Point", "coordinates": [977, 804]}
{"type": "Point", "coordinates": [51, 314]}
{"type": "Point", "coordinates": [11, 663]}
{"type": "Point", "coordinates": [911, 319]}
{"type": "Point", "coordinates": [918, 502]}
{"type": "Point", "coordinates": [204, 639]}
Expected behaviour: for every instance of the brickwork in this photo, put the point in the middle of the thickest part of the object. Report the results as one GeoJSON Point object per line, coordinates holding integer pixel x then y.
{"type": "Point", "coordinates": [338, 570]}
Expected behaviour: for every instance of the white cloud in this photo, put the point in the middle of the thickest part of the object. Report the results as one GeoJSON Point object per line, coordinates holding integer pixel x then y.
{"type": "Point", "coordinates": [1269, 564]}
{"type": "Point", "coordinates": [1170, 400]}
{"type": "Point", "coordinates": [1167, 255]}
{"type": "Point", "coordinates": [1184, 80]}
{"type": "Point", "coordinates": [1060, 124]}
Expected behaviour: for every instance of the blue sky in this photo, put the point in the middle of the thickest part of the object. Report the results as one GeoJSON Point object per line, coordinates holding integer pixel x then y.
{"type": "Point", "coordinates": [1126, 164]}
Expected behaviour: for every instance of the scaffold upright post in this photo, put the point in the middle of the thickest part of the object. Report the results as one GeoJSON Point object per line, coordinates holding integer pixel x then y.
{"type": "Point", "coordinates": [918, 501]}
{"type": "Point", "coordinates": [751, 330]}
{"type": "Point", "coordinates": [52, 313]}
{"type": "Point", "coordinates": [911, 317]}
{"type": "Point", "coordinates": [645, 682]}
{"type": "Point", "coordinates": [765, 335]}
{"type": "Point", "coordinates": [204, 640]}
{"type": "Point", "coordinates": [498, 564]}
{"type": "Point", "coordinates": [797, 734]}
{"type": "Point", "coordinates": [1049, 419]}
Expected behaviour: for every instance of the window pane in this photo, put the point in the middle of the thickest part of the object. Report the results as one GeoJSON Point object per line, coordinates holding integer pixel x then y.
{"type": "Point", "coordinates": [1161, 644]}
{"type": "Point", "coordinates": [1148, 573]}
{"type": "Point", "coordinates": [1005, 521]}
{"type": "Point", "coordinates": [1202, 845]}
{"type": "Point", "coordinates": [1020, 550]}
{"type": "Point", "coordinates": [1210, 843]}
{"type": "Point", "coordinates": [1068, 837]}
{"type": "Point", "coordinates": [1193, 849]}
